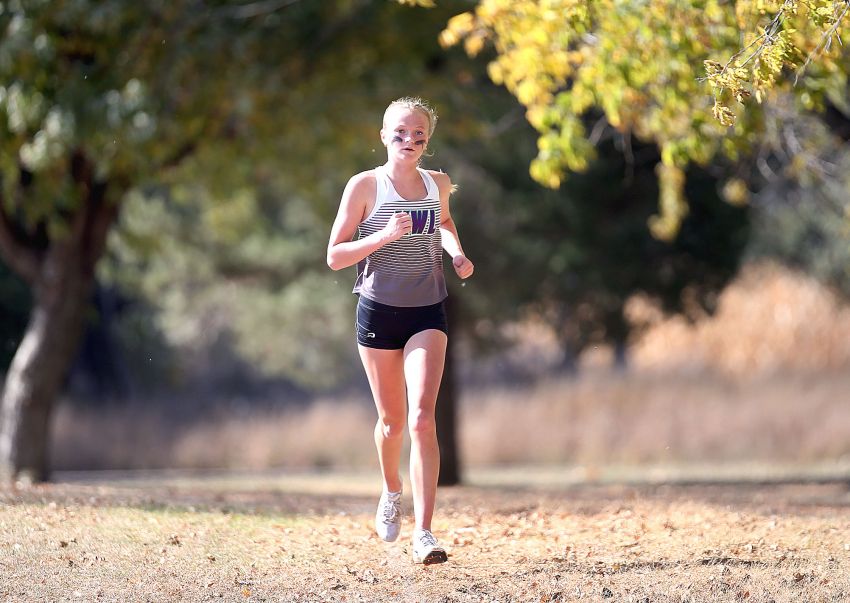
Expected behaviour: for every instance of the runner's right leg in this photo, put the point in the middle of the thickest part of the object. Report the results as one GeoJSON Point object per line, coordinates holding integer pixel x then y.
{"type": "Point", "coordinates": [385, 371]}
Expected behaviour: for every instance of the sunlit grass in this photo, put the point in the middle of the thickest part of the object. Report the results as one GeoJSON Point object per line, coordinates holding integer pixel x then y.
{"type": "Point", "coordinates": [266, 538]}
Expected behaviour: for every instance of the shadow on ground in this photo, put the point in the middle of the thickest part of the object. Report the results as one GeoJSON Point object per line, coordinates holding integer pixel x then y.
{"type": "Point", "coordinates": [322, 493]}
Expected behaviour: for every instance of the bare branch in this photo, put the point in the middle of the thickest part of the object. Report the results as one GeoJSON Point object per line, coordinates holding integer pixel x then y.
{"type": "Point", "coordinates": [597, 131]}
{"type": "Point", "coordinates": [629, 156]}
{"type": "Point", "coordinates": [505, 122]}
{"type": "Point", "coordinates": [257, 9]}
{"type": "Point", "coordinates": [765, 170]}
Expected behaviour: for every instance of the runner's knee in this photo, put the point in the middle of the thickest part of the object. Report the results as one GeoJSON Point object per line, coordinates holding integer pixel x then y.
{"type": "Point", "coordinates": [391, 427]}
{"type": "Point", "coordinates": [421, 422]}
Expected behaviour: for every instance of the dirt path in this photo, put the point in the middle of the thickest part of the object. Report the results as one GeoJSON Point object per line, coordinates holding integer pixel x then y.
{"type": "Point", "coordinates": [290, 539]}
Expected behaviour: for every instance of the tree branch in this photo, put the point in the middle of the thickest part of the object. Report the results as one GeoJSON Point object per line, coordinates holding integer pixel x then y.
{"type": "Point", "coordinates": [768, 37]}
{"type": "Point", "coordinates": [763, 40]}
{"type": "Point", "coordinates": [182, 153]}
{"type": "Point", "coordinates": [96, 215]}
{"type": "Point", "coordinates": [22, 259]}
{"type": "Point", "coordinates": [102, 216]}
{"type": "Point", "coordinates": [825, 42]}
{"type": "Point", "coordinates": [257, 9]}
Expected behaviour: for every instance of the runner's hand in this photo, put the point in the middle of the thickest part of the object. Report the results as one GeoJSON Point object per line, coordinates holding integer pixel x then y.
{"type": "Point", "coordinates": [463, 266]}
{"type": "Point", "coordinates": [399, 224]}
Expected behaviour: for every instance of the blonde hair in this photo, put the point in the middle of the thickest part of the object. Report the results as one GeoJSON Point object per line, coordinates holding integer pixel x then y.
{"type": "Point", "coordinates": [414, 103]}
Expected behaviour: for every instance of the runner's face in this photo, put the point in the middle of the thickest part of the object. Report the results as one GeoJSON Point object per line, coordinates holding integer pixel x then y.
{"type": "Point", "coordinates": [405, 134]}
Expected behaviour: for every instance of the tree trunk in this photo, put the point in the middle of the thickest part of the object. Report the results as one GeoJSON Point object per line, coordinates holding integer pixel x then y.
{"type": "Point", "coordinates": [621, 357]}
{"type": "Point", "coordinates": [36, 375]}
{"type": "Point", "coordinates": [446, 413]}
{"type": "Point", "coordinates": [60, 271]}
{"type": "Point", "coordinates": [568, 364]}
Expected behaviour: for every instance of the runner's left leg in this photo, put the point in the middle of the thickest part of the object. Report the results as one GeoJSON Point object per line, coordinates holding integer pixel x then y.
{"type": "Point", "coordinates": [424, 358]}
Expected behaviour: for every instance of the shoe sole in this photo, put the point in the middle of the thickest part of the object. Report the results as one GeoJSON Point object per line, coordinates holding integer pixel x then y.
{"type": "Point", "coordinates": [437, 556]}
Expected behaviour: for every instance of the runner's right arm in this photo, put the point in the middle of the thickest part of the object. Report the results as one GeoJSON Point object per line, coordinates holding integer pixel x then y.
{"type": "Point", "coordinates": [342, 250]}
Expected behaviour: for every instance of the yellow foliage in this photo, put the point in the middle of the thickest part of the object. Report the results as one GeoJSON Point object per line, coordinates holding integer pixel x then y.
{"type": "Point", "coordinates": [457, 28]}
{"type": "Point", "coordinates": [473, 45]}
{"type": "Point", "coordinates": [636, 62]}
{"type": "Point", "coordinates": [425, 3]}
{"type": "Point", "coordinates": [671, 204]}
{"type": "Point", "coordinates": [723, 114]}
{"type": "Point", "coordinates": [735, 192]}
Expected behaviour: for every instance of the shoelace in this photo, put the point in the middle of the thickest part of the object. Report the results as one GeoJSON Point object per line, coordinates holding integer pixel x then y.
{"type": "Point", "coordinates": [391, 509]}
{"type": "Point", "coordinates": [426, 538]}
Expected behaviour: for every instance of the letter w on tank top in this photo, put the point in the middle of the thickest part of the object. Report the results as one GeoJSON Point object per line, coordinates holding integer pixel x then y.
{"type": "Point", "coordinates": [423, 221]}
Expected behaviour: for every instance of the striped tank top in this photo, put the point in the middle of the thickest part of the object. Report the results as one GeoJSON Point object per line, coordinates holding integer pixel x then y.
{"type": "Point", "coordinates": [407, 272]}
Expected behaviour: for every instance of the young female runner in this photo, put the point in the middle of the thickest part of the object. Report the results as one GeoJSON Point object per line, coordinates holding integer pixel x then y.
{"type": "Point", "coordinates": [400, 214]}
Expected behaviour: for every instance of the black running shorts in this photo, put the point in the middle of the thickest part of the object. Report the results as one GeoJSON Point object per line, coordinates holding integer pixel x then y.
{"type": "Point", "coordinates": [390, 327]}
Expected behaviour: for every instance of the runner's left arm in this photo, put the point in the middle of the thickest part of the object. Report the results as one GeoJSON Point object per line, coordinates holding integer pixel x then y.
{"type": "Point", "coordinates": [448, 229]}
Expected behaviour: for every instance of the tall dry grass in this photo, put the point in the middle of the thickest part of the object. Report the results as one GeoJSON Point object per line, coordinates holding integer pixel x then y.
{"type": "Point", "coordinates": [764, 379]}
{"type": "Point", "coordinates": [770, 320]}
{"type": "Point", "coordinates": [603, 418]}
{"type": "Point", "coordinates": [327, 433]}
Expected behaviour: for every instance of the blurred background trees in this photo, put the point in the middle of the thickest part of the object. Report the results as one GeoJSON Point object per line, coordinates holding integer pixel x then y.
{"type": "Point", "coordinates": [109, 99]}
{"type": "Point", "coordinates": [211, 143]}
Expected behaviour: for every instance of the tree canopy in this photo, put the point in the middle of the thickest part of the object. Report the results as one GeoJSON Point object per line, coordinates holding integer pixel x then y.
{"type": "Point", "coordinates": [676, 73]}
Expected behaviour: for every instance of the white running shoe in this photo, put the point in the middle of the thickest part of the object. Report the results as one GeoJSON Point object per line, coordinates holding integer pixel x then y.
{"type": "Point", "coordinates": [426, 550]}
{"type": "Point", "coordinates": [388, 516]}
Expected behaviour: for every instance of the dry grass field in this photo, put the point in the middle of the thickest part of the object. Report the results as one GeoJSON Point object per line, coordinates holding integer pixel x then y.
{"type": "Point", "coordinates": [766, 379]}
{"type": "Point", "coordinates": [302, 537]}
{"type": "Point", "coordinates": [596, 420]}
